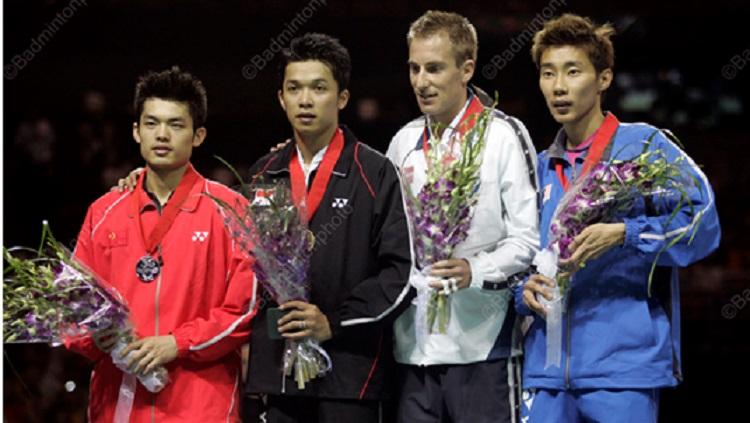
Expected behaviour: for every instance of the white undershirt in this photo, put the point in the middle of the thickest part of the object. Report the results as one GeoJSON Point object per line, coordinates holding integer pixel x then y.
{"type": "Point", "coordinates": [314, 163]}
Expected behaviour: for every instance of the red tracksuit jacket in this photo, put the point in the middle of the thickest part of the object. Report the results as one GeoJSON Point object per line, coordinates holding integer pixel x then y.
{"type": "Point", "coordinates": [204, 296]}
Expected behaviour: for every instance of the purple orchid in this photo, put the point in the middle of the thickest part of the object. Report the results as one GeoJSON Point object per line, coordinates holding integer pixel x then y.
{"type": "Point", "coordinates": [440, 212]}
{"type": "Point", "coordinates": [606, 193]}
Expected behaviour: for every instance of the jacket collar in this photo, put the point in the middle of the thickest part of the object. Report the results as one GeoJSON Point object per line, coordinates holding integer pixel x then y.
{"type": "Point", "coordinates": [556, 151]}
{"type": "Point", "coordinates": [191, 203]}
{"type": "Point", "coordinates": [278, 163]}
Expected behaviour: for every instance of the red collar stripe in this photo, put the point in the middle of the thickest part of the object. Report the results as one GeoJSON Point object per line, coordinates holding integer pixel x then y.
{"type": "Point", "coordinates": [467, 122]}
{"type": "Point", "coordinates": [169, 214]}
{"type": "Point", "coordinates": [596, 151]}
{"type": "Point", "coordinates": [314, 196]}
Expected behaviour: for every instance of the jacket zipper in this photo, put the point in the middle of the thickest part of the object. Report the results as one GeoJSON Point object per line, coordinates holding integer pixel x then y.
{"type": "Point", "coordinates": [573, 172]}
{"type": "Point", "coordinates": [566, 308]}
{"type": "Point", "coordinates": [156, 333]}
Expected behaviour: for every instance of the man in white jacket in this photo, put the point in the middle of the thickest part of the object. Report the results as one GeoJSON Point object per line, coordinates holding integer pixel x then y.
{"type": "Point", "coordinates": [466, 374]}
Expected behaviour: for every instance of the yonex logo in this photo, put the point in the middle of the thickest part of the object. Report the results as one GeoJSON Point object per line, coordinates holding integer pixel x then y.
{"type": "Point", "coordinates": [200, 236]}
{"type": "Point", "coordinates": [528, 401]}
{"type": "Point", "coordinates": [339, 203]}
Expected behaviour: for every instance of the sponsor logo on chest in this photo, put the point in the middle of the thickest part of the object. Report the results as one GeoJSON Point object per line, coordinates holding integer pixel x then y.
{"type": "Point", "coordinates": [200, 236]}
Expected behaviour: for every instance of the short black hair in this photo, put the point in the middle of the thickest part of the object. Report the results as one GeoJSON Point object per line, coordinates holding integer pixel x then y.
{"type": "Point", "coordinates": [577, 31]}
{"type": "Point", "coordinates": [176, 85]}
{"type": "Point", "coordinates": [320, 47]}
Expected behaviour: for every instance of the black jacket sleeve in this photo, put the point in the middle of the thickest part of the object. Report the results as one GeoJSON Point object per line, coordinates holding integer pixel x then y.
{"type": "Point", "coordinates": [380, 298]}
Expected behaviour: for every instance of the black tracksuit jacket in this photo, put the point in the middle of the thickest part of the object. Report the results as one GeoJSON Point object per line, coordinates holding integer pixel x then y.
{"type": "Point", "coordinates": [359, 272]}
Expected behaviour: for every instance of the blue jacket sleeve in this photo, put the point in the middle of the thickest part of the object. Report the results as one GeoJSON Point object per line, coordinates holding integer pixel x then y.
{"type": "Point", "coordinates": [521, 307]}
{"type": "Point", "coordinates": [661, 229]}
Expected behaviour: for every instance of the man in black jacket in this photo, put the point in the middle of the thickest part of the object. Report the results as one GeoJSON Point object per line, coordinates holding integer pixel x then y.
{"type": "Point", "coordinates": [360, 266]}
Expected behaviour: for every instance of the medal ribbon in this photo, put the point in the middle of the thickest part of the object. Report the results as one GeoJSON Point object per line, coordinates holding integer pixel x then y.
{"type": "Point", "coordinates": [601, 140]}
{"type": "Point", "coordinates": [169, 213]}
{"type": "Point", "coordinates": [322, 176]}
{"type": "Point", "coordinates": [467, 122]}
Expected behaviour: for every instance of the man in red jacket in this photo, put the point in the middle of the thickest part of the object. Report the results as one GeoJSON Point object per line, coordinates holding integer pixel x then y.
{"type": "Point", "coordinates": [164, 247]}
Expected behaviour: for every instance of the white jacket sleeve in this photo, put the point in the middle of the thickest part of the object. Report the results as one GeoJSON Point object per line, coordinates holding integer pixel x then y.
{"type": "Point", "coordinates": [518, 199]}
{"type": "Point", "coordinates": [392, 152]}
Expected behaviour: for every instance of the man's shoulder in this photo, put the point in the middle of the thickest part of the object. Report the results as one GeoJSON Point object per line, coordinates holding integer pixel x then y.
{"type": "Point", "coordinates": [405, 139]}
{"type": "Point", "coordinates": [262, 163]}
{"type": "Point", "coordinates": [373, 163]}
{"type": "Point", "coordinates": [111, 207]}
{"type": "Point", "coordinates": [369, 154]}
{"type": "Point", "coordinates": [635, 129]}
{"type": "Point", "coordinates": [506, 131]}
{"type": "Point", "coordinates": [111, 200]}
{"type": "Point", "coordinates": [221, 191]}
{"type": "Point", "coordinates": [507, 123]}
{"type": "Point", "coordinates": [414, 126]}
{"type": "Point", "coordinates": [632, 137]}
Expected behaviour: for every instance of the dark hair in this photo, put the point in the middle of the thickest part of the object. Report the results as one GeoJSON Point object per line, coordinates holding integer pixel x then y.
{"type": "Point", "coordinates": [322, 48]}
{"type": "Point", "coordinates": [577, 31]}
{"type": "Point", "coordinates": [173, 84]}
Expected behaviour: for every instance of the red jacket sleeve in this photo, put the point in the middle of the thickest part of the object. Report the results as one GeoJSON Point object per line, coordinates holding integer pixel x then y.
{"type": "Point", "coordinates": [227, 326]}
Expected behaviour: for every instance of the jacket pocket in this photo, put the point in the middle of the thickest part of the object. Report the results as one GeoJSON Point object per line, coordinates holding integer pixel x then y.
{"type": "Point", "coordinates": [116, 239]}
{"type": "Point", "coordinates": [613, 339]}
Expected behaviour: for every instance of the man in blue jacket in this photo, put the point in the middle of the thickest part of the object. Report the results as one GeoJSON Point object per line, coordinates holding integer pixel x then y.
{"type": "Point", "coordinates": [620, 342]}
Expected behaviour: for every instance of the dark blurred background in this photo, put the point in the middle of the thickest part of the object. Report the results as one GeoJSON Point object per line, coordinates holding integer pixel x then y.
{"type": "Point", "coordinates": [70, 68]}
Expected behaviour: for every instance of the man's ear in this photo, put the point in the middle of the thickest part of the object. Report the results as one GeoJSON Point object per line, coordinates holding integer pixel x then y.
{"type": "Point", "coordinates": [343, 99]}
{"type": "Point", "coordinates": [605, 79]}
{"type": "Point", "coordinates": [136, 134]}
{"type": "Point", "coordinates": [281, 100]}
{"type": "Point", "coordinates": [199, 136]}
{"type": "Point", "coordinates": [467, 71]}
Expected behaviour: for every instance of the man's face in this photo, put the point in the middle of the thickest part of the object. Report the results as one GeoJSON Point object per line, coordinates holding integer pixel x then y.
{"type": "Point", "coordinates": [438, 83]}
{"type": "Point", "coordinates": [309, 96]}
{"type": "Point", "coordinates": [165, 133]}
{"type": "Point", "coordinates": [570, 84]}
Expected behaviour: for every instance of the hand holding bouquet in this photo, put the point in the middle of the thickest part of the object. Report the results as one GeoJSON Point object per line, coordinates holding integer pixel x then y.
{"type": "Point", "coordinates": [609, 192]}
{"type": "Point", "coordinates": [440, 213]}
{"type": "Point", "coordinates": [605, 194]}
{"type": "Point", "coordinates": [50, 297]}
{"type": "Point", "coordinates": [273, 229]}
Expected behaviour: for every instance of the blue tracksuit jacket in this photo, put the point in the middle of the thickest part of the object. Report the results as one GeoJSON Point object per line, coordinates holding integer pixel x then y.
{"type": "Point", "coordinates": [614, 334]}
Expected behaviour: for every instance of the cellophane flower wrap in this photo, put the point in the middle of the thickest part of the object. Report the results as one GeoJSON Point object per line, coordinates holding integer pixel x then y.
{"type": "Point", "coordinates": [274, 230]}
{"type": "Point", "coordinates": [440, 214]}
{"type": "Point", "coordinates": [50, 297]}
{"type": "Point", "coordinates": [606, 194]}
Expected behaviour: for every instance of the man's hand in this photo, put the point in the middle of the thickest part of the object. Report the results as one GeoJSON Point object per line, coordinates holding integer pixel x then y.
{"type": "Point", "coordinates": [305, 320]}
{"type": "Point", "coordinates": [537, 285]}
{"type": "Point", "coordinates": [458, 269]}
{"type": "Point", "coordinates": [106, 339]}
{"type": "Point", "coordinates": [592, 242]}
{"type": "Point", "coordinates": [279, 146]}
{"type": "Point", "coordinates": [150, 353]}
{"type": "Point", "coordinates": [129, 182]}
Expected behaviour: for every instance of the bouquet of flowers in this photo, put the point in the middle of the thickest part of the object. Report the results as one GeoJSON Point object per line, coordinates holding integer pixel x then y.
{"type": "Point", "coordinates": [440, 213]}
{"type": "Point", "coordinates": [604, 195]}
{"type": "Point", "coordinates": [274, 231]}
{"type": "Point", "coordinates": [50, 297]}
